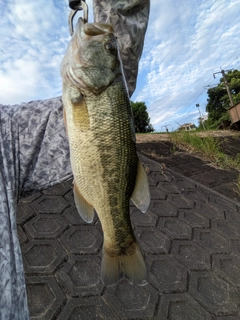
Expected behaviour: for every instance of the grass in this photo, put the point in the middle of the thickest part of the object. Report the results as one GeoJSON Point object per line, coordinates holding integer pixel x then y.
{"type": "Point", "coordinates": [207, 146]}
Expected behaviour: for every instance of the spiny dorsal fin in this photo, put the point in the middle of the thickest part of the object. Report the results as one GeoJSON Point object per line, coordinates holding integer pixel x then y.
{"type": "Point", "coordinates": [85, 209]}
{"type": "Point", "coordinates": [141, 194]}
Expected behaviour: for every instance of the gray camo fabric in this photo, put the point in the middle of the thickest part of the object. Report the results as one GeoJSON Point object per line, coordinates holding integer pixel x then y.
{"type": "Point", "coordinates": [34, 152]}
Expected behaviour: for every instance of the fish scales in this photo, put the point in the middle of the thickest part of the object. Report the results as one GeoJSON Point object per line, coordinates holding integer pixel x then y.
{"type": "Point", "coordinates": [116, 163]}
{"type": "Point", "coordinates": [105, 165]}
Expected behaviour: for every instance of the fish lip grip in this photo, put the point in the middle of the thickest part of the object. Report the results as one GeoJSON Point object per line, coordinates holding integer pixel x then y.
{"type": "Point", "coordinates": [77, 6]}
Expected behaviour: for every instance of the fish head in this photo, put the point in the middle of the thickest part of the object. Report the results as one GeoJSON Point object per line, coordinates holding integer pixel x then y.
{"type": "Point", "coordinates": [92, 60]}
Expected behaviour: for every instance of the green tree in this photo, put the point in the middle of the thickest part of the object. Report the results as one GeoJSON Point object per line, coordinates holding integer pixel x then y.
{"type": "Point", "coordinates": [218, 100]}
{"type": "Point", "coordinates": [141, 118]}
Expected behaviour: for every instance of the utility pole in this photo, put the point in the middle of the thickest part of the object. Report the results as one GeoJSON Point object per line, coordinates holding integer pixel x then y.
{"type": "Point", "coordinates": [226, 85]}
{"type": "Point", "coordinates": [201, 119]}
{"type": "Point", "coordinates": [166, 126]}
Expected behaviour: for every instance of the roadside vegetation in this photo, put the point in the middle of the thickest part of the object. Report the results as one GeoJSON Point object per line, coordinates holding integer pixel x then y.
{"type": "Point", "coordinates": [207, 146]}
{"type": "Point", "coordinates": [218, 100]}
{"type": "Point", "coordinates": [141, 118]}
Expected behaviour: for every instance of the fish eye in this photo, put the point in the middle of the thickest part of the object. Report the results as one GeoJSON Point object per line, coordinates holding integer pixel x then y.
{"type": "Point", "coordinates": [109, 47]}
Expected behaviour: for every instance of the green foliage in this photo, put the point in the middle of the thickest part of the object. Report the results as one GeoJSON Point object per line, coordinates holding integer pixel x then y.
{"type": "Point", "coordinates": [218, 100]}
{"type": "Point", "coordinates": [207, 146]}
{"type": "Point", "coordinates": [141, 118]}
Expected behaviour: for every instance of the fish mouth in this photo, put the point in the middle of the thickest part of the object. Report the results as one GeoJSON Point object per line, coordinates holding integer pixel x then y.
{"type": "Point", "coordinates": [93, 29]}
{"type": "Point", "coordinates": [96, 29]}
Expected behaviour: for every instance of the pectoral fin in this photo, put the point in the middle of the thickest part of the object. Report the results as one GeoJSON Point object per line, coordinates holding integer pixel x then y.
{"type": "Point", "coordinates": [85, 209]}
{"type": "Point", "coordinates": [141, 194]}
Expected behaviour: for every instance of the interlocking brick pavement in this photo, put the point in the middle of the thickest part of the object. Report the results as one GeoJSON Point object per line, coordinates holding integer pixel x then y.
{"type": "Point", "coordinates": [190, 238]}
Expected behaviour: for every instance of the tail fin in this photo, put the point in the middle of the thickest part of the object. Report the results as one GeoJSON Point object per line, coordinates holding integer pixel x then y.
{"type": "Point", "coordinates": [132, 265]}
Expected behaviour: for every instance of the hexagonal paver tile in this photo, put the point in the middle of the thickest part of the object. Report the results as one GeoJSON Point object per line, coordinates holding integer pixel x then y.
{"type": "Point", "coordinates": [172, 188]}
{"type": "Point", "coordinates": [152, 241]}
{"type": "Point", "coordinates": [233, 216]}
{"type": "Point", "coordinates": [211, 241]}
{"type": "Point", "coordinates": [163, 208]}
{"type": "Point", "coordinates": [158, 193]}
{"type": "Point", "coordinates": [186, 185]}
{"type": "Point", "coordinates": [28, 198]}
{"type": "Point", "coordinates": [72, 216]}
{"type": "Point", "coordinates": [217, 201]}
{"type": "Point", "coordinates": [166, 274]}
{"type": "Point", "coordinates": [175, 228]}
{"type": "Point", "coordinates": [86, 309]}
{"type": "Point", "coordinates": [139, 219]}
{"type": "Point", "coordinates": [181, 307]}
{"type": "Point", "coordinates": [213, 293]}
{"type": "Point", "coordinates": [50, 204]}
{"type": "Point", "coordinates": [209, 212]}
{"type": "Point", "coordinates": [153, 182]}
{"type": "Point", "coordinates": [166, 177]}
{"type": "Point", "coordinates": [227, 228]}
{"type": "Point", "coordinates": [69, 196]}
{"type": "Point", "coordinates": [235, 247]}
{"type": "Point", "coordinates": [191, 255]}
{"type": "Point", "coordinates": [42, 256]}
{"type": "Point", "coordinates": [80, 276]}
{"type": "Point", "coordinates": [45, 297]}
{"type": "Point", "coordinates": [59, 189]}
{"type": "Point", "coordinates": [82, 240]}
{"type": "Point", "coordinates": [24, 213]}
{"type": "Point", "coordinates": [180, 201]}
{"type": "Point", "coordinates": [228, 318]}
{"type": "Point", "coordinates": [21, 235]}
{"type": "Point", "coordinates": [198, 194]}
{"type": "Point", "coordinates": [193, 218]}
{"type": "Point", "coordinates": [46, 226]}
{"type": "Point", "coordinates": [131, 302]}
{"type": "Point", "coordinates": [228, 267]}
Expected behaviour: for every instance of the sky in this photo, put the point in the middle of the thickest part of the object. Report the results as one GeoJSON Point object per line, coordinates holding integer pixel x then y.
{"type": "Point", "coordinates": [186, 42]}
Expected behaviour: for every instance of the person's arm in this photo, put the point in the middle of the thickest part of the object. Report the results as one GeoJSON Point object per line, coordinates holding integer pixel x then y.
{"type": "Point", "coordinates": [43, 145]}
{"type": "Point", "coordinates": [129, 20]}
{"type": "Point", "coordinates": [34, 154]}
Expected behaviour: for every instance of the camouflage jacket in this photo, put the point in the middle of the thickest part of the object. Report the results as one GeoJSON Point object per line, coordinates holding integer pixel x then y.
{"type": "Point", "coordinates": [34, 151]}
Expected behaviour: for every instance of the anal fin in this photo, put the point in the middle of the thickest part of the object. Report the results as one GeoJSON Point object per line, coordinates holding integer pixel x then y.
{"type": "Point", "coordinates": [84, 208]}
{"type": "Point", "coordinates": [141, 194]}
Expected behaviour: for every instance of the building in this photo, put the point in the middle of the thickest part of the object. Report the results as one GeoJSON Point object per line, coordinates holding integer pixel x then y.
{"type": "Point", "coordinates": [187, 127]}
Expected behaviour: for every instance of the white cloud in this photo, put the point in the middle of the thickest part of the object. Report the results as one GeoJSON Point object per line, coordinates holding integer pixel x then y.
{"type": "Point", "coordinates": [34, 36]}
{"type": "Point", "coordinates": [185, 43]}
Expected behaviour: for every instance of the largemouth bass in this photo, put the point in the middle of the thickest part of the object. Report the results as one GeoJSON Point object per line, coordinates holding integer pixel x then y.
{"type": "Point", "coordinates": [100, 128]}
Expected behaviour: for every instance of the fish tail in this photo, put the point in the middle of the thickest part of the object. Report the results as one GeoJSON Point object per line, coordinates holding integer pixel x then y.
{"type": "Point", "coordinates": [131, 264]}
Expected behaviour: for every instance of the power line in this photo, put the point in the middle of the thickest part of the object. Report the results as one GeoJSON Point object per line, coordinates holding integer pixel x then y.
{"type": "Point", "coordinates": [233, 59]}
{"type": "Point", "coordinates": [190, 106]}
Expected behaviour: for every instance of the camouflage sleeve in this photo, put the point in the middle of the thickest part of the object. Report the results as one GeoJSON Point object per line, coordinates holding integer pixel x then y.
{"type": "Point", "coordinates": [34, 154]}
{"type": "Point", "coordinates": [129, 19]}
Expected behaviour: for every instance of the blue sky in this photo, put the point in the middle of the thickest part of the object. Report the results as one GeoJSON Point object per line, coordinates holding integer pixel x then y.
{"type": "Point", "coordinates": [186, 42]}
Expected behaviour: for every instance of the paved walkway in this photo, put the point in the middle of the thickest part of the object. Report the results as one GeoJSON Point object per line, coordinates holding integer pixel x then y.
{"type": "Point", "coordinates": [202, 171]}
{"type": "Point", "coordinates": [190, 238]}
